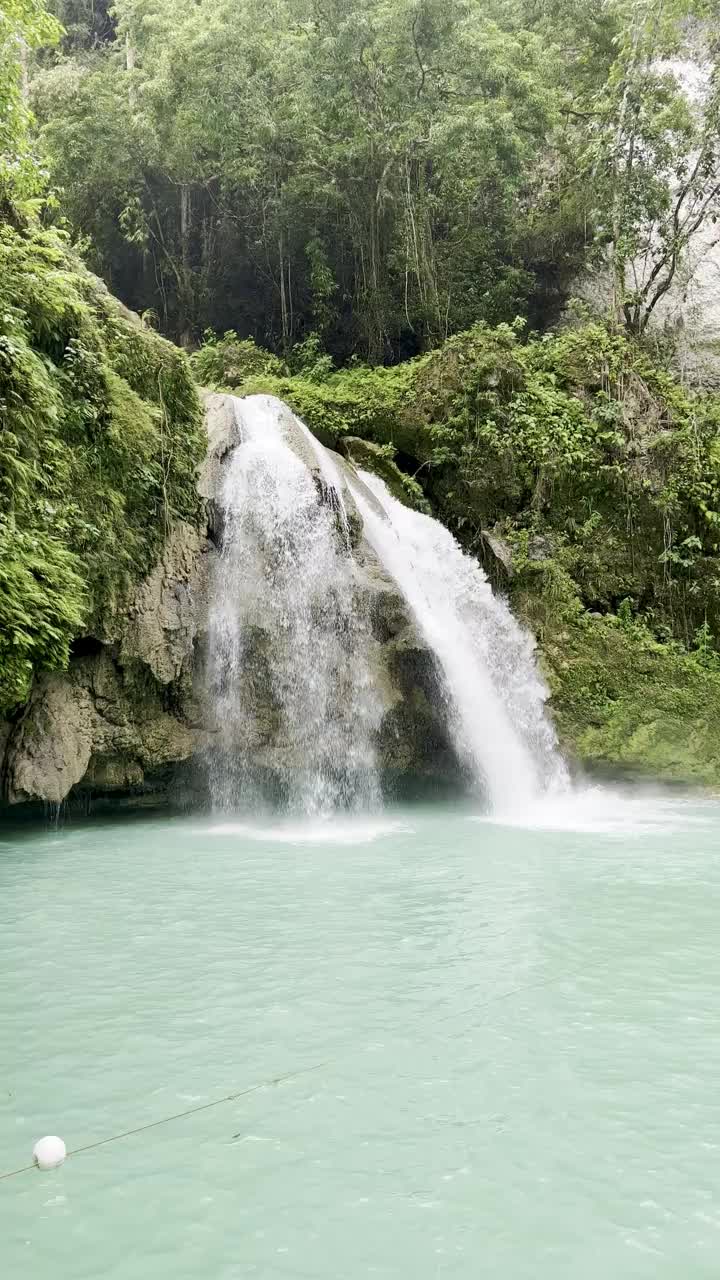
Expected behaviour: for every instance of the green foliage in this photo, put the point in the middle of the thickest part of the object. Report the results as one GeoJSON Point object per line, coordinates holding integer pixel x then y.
{"type": "Point", "coordinates": [309, 359]}
{"type": "Point", "coordinates": [653, 157]}
{"type": "Point", "coordinates": [602, 473]}
{"type": "Point", "coordinates": [24, 25]}
{"type": "Point", "coordinates": [621, 699]}
{"type": "Point", "coordinates": [99, 441]}
{"type": "Point", "coordinates": [230, 361]}
{"type": "Point", "coordinates": [378, 175]}
{"type": "Point", "coordinates": [380, 460]}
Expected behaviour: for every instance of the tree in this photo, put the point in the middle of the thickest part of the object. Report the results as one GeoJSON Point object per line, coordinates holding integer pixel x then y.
{"type": "Point", "coordinates": [87, 24]}
{"type": "Point", "coordinates": [24, 25]}
{"type": "Point", "coordinates": [362, 173]}
{"type": "Point", "coordinates": [380, 174]}
{"type": "Point", "coordinates": [653, 155]}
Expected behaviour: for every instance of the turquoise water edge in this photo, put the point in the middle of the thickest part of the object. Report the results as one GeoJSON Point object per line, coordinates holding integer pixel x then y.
{"type": "Point", "coordinates": [502, 1044]}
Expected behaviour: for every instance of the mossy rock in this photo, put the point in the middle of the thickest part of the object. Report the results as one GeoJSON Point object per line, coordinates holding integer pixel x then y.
{"type": "Point", "coordinates": [581, 443]}
{"type": "Point", "coordinates": [100, 442]}
{"type": "Point", "coordinates": [378, 459]}
{"type": "Point", "coordinates": [621, 701]}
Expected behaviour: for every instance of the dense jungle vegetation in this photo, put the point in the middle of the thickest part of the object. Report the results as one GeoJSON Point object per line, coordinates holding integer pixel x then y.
{"type": "Point", "coordinates": [586, 478]}
{"type": "Point", "coordinates": [379, 174]}
{"type": "Point", "coordinates": [379, 212]}
{"type": "Point", "coordinates": [100, 426]}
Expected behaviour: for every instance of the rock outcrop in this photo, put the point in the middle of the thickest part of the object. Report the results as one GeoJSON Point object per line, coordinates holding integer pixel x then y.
{"type": "Point", "coordinates": [123, 714]}
{"type": "Point", "coordinates": [167, 613]}
{"type": "Point", "coordinates": [101, 726]}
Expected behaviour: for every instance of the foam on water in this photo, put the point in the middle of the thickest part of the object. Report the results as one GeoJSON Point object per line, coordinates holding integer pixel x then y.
{"type": "Point", "coordinates": [335, 831]}
{"type": "Point", "coordinates": [609, 811]}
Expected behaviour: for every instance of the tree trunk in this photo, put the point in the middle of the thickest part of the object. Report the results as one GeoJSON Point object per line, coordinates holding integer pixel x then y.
{"type": "Point", "coordinates": [187, 299]}
{"type": "Point", "coordinates": [24, 75]}
{"type": "Point", "coordinates": [617, 261]}
{"type": "Point", "coordinates": [130, 67]}
{"type": "Point", "coordinates": [284, 312]}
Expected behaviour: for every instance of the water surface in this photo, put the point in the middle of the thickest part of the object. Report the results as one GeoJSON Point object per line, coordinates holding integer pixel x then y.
{"type": "Point", "coordinates": [508, 1038]}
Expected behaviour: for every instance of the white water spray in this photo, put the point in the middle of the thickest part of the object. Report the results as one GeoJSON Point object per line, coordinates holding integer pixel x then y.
{"type": "Point", "coordinates": [298, 708]}
{"type": "Point", "coordinates": [291, 690]}
{"type": "Point", "coordinates": [495, 698]}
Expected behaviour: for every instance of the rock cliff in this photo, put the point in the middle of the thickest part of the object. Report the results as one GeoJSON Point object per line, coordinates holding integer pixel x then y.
{"type": "Point", "coordinates": [129, 715]}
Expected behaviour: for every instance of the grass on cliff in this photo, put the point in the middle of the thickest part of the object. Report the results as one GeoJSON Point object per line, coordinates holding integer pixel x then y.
{"type": "Point", "coordinates": [100, 436]}
{"type": "Point", "coordinates": [597, 470]}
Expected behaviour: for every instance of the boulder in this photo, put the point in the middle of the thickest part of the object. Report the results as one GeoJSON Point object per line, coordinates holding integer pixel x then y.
{"type": "Point", "coordinates": [50, 750]}
{"type": "Point", "coordinates": [499, 552]}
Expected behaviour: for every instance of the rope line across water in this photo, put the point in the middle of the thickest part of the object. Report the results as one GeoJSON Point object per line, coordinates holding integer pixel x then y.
{"type": "Point", "coordinates": [179, 1115]}
{"type": "Point", "coordinates": [266, 1084]}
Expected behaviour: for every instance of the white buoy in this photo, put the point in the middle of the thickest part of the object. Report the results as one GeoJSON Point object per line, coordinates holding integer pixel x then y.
{"type": "Point", "coordinates": [49, 1153]}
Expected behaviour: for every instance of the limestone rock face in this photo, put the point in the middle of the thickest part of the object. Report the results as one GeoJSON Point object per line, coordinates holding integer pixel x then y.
{"type": "Point", "coordinates": [100, 727]}
{"type": "Point", "coordinates": [51, 749]}
{"type": "Point", "coordinates": [224, 428]}
{"type": "Point", "coordinates": [120, 718]}
{"type": "Point", "coordinates": [690, 310]}
{"type": "Point", "coordinates": [498, 558]}
{"type": "Point", "coordinates": [223, 432]}
{"type": "Point", "coordinates": [170, 607]}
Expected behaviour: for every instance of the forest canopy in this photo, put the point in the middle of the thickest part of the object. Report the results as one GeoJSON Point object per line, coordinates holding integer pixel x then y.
{"type": "Point", "coordinates": [371, 178]}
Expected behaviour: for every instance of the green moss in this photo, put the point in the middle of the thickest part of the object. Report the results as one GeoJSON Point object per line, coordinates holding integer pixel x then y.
{"type": "Point", "coordinates": [367, 404]}
{"type": "Point", "coordinates": [100, 436]}
{"type": "Point", "coordinates": [620, 699]}
{"type": "Point", "coordinates": [379, 459]}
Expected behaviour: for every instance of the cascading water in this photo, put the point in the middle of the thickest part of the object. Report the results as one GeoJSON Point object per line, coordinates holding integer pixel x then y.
{"type": "Point", "coordinates": [292, 695]}
{"type": "Point", "coordinates": [495, 699]}
{"type": "Point", "coordinates": [297, 703]}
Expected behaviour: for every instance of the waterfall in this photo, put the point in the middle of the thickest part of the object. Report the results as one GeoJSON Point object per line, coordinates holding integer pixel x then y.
{"type": "Point", "coordinates": [298, 681]}
{"type": "Point", "coordinates": [291, 692]}
{"type": "Point", "coordinates": [494, 696]}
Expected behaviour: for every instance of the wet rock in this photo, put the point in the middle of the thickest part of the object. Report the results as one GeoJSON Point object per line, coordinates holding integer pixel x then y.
{"type": "Point", "coordinates": [500, 552]}
{"type": "Point", "coordinates": [223, 432]}
{"type": "Point", "coordinates": [98, 726]}
{"type": "Point", "coordinates": [539, 548]}
{"type": "Point", "coordinates": [170, 607]}
{"type": "Point", "coordinates": [368, 456]}
{"type": "Point", "coordinates": [50, 750]}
